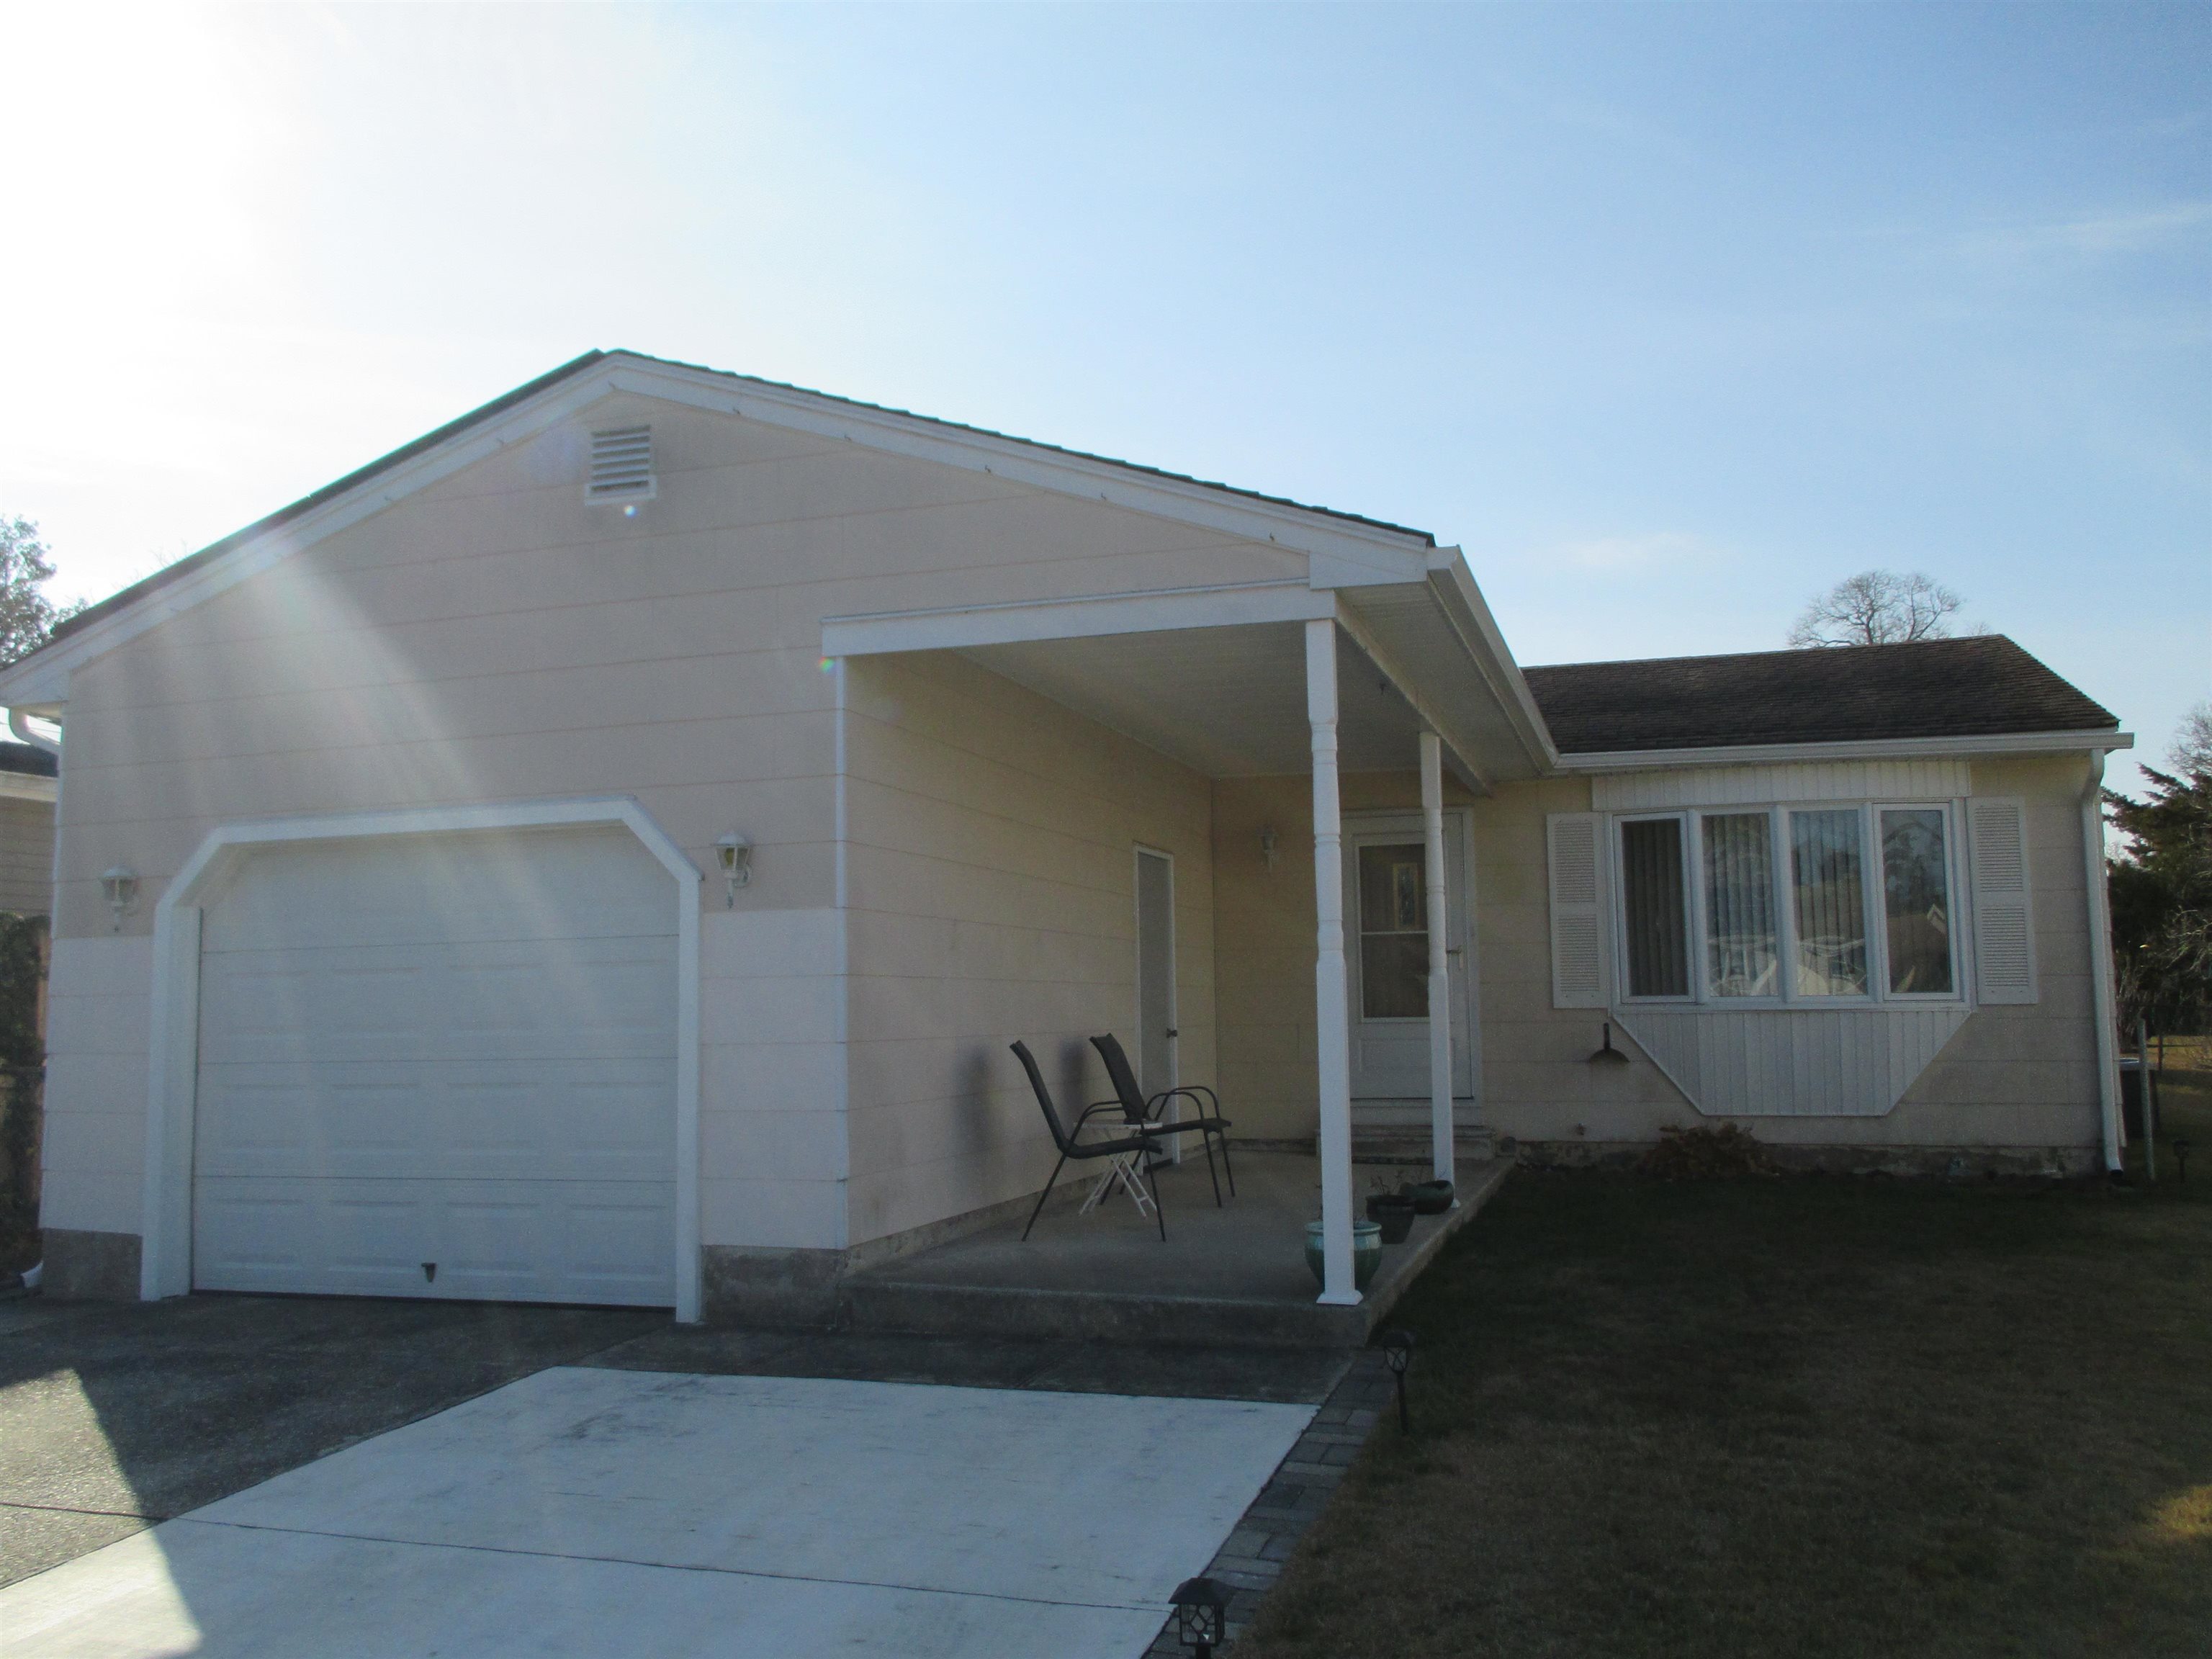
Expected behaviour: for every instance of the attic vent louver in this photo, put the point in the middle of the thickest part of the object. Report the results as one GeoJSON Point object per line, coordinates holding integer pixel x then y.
{"type": "Point", "coordinates": [621, 466]}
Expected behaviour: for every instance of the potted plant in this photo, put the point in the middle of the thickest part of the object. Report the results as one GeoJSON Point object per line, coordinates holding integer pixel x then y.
{"type": "Point", "coordinates": [1366, 1252]}
{"type": "Point", "coordinates": [1392, 1211]}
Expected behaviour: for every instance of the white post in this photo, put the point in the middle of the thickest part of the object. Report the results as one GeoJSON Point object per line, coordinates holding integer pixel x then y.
{"type": "Point", "coordinates": [1440, 1060]}
{"type": "Point", "coordinates": [2101, 994]}
{"type": "Point", "coordinates": [1332, 1001]}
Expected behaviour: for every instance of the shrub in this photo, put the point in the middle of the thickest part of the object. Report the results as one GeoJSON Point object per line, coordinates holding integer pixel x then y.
{"type": "Point", "coordinates": [1720, 1152]}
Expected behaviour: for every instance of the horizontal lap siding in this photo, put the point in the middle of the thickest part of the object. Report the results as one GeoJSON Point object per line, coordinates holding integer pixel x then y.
{"type": "Point", "coordinates": [991, 895]}
{"type": "Point", "coordinates": [495, 638]}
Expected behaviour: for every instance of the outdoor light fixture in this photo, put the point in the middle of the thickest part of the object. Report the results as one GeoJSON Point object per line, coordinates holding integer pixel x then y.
{"type": "Point", "coordinates": [120, 886]}
{"type": "Point", "coordinates": [735, 853]}
{"type": "Point", "coordinates": [1398, 1350]}
{"type": "Point", "coordinates": [1201, 1615]}
{"type": "Point", "coordinates": [1268, 845]}
{"type": "Point", "coordinates": [1609, 1055]}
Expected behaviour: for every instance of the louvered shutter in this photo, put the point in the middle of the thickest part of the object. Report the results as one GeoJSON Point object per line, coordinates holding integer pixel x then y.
{"type": "Point", "coordinates": [1576, 857]}
{"type": "Point", "coordinates": [2004, 931]}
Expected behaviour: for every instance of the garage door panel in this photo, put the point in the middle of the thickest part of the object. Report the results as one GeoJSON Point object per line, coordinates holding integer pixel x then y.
{"type": "Point", "coordinates": [411, 890]}
{"type": "Point", "coordinates": [552, 1121]}
{"type": "Point", "coordinates": [603, 996]}
{"type": "Point", "coordinates": [457, 1049]}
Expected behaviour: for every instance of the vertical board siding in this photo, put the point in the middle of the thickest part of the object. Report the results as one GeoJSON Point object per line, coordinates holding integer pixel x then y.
{"type": "Point", "coordinates": [1795, 1062]}
{"type": "Point", "coordinates": [1755, 786]}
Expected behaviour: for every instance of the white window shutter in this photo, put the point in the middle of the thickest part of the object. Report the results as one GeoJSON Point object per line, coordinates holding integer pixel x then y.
{"type": "Point", "coordinates": [1576, 846]}
{"type": "Point", "coordinates": [2004, 931]}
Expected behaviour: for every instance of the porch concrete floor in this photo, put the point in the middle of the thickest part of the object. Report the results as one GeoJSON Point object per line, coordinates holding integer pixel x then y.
{"type": "Point", "coordinates": [1235, 1275]}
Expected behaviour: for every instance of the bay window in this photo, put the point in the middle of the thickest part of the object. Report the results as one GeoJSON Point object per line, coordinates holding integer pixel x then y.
{"type": "Point", "coordinates": [1779, 904]}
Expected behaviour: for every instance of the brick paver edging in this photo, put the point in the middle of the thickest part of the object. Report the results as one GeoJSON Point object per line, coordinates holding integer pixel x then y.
{"type": "Point", "coordinates": [1250, 1560]}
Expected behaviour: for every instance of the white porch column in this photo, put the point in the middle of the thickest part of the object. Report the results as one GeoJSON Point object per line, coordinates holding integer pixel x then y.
{"type": "Point", "coordinates": [1332, 1000]}
{"type": "Point", "coordinates": [1440, 1059]}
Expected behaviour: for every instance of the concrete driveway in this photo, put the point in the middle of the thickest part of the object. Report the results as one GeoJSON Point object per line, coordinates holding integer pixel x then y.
{"type": "Point", "coordinates": [654, 1490]}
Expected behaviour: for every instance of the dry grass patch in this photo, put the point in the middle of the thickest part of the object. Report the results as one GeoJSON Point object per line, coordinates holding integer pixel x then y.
{"type": "Point", "coordinates": [1790, 1416]}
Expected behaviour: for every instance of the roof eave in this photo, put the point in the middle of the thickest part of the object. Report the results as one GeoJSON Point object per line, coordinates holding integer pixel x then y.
{"type": "Point", "coordinates": [1983, 744]}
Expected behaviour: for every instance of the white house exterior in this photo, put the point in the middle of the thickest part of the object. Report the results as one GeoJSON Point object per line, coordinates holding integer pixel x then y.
{"type": "Point", "coordinates": [428, 978]}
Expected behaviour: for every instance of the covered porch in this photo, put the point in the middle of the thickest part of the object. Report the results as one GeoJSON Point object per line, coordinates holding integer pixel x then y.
{"type": "Point", "coordinates": [1232, 1277]}
{"type": "Point", "coordinates": [1254, 686]}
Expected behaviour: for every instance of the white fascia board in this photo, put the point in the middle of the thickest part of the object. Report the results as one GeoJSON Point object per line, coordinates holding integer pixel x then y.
{"type": "Point", "coordinates": [1365, 552]}
{"type": "Point", "coordinates": [1469, 614]}
{"type": "Point", "coordinates": [1160, 610]}
{"type": "Point", "coordinates": [2010, 742]}
{"type": "Point", "coordinates": [28, 785]}
{"type": "Point", "coordinates": [1458, 752]}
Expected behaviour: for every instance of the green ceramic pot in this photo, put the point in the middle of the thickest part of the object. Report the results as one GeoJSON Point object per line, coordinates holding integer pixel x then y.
{"type": "Point", "coordinates": [1366, 1252]}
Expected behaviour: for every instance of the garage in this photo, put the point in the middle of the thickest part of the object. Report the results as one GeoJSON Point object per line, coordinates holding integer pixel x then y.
{"type": "Point", "coordinates": [440, 1065]}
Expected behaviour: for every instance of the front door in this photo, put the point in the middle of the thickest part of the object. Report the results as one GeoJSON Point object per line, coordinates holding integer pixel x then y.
{"type": "Point", "coordinates": [1384, 865]}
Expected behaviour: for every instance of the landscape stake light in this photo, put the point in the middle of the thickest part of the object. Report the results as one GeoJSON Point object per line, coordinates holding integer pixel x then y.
{"type": "Point", "coordinates": [1398, 1349]}
{"type": "Point", "coordinates": [2180, 1149]}
{"type": "Point", "coordinates": [1201, 1611]}
{"type": "Point", "coordinates": [1609, 1055]}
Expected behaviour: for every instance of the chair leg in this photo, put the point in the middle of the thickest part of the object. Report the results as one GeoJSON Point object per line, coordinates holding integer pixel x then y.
{"type": "Point", "coordinates": [1226, 1168]}
{"type": "Point", "coordinates": [1046, 1194]}
{"type": "Point", "coordinates": [1206, 1141]}
{"type": "Point", "coordinates": [1158, 1214]}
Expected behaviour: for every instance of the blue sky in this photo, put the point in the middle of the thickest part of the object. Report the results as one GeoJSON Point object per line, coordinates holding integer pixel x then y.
{"type": "Point", "coordinates": [1671, 316]}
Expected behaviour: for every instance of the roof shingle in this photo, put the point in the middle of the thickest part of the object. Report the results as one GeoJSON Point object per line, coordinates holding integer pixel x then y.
{"type": "Point", "coordinates": [1977, 687]}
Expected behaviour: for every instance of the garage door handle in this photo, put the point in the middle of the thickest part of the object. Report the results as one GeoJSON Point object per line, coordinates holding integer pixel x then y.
{"type": "Point", "coordinates": [429, 1273]}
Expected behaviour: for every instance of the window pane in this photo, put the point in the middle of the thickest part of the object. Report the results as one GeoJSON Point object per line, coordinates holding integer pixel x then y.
{"type": "Point", "coordinates": [1829, 899]}
{"type": "Point", "coordinates": [1916, 901]}
{"type": "Point", "coordinates": [1740, 921]}
{"type": "Point", "coordinates": [1394, 932]}
{"type": "Point", "coordinates": [1651, 875]}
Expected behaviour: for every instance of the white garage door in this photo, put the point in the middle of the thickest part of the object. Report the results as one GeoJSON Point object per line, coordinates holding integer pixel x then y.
{"type": "Point", "coordinates": [439, 1066]}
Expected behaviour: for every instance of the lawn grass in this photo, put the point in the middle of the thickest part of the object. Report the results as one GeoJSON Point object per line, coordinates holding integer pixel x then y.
{"type": "Point", "coordinates": [1804, 1415]}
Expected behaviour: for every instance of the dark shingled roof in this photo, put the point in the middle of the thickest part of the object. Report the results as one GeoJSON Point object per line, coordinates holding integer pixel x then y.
{"type": "Point", "coordinates": [29, 758]}
{"type": "Point", "coordinates": [284, 515]}
{"type": "Point", "coordinates": [1973, 687]}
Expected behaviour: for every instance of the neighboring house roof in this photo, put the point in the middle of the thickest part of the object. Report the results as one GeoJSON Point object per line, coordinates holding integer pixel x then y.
{"type": "Point", "coordinates": [1977, 687]}
{"type": "Point", "coordinates": [29, 760]}
{"type": "Point", "coordinates": [306, 504]}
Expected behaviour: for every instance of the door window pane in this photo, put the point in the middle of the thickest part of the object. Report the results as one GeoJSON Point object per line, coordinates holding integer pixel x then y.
{"type": "Point", "coordinates": [1916, 901]}
{"type": "Point", "coordinates": [1829, 899]}
{"type": "Point", "coordinates": [1651, 879]}
{"type": "Point", "coordinates": [1394, 932]}
{"type": "Point", "coordinates": [1740, 920]}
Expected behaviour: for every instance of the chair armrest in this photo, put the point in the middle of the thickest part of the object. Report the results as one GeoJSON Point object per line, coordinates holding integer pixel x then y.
{"type": "Point", "coordinates": [1192, 1091]}
{"type": "Point", "coordinates": [1096, 1106]}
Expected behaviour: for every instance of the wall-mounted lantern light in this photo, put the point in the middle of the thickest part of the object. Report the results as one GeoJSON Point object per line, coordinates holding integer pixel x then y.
{"type": "Point", "coordinates": [735, 855]}
{"type": "Point", "coordinates": [1268, 845]}
{"type": "Point", "coordinates": [119, 887]}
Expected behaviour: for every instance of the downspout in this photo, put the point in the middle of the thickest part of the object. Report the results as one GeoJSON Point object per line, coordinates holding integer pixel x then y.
{"type": "Point", "coordinates": [2100, 959]}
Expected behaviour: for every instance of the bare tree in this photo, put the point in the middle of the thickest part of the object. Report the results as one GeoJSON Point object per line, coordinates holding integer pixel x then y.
{"type": "Point", "coordinates": [1878, 607]}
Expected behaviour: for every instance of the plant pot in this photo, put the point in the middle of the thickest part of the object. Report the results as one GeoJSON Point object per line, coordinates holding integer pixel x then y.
{"type": "Point", "coordinates": [1394, 1213]}
{"type": "Point", "coordinates": [1366, 1253]}
{"type": "Point", "coordinates": [1430, 1197]}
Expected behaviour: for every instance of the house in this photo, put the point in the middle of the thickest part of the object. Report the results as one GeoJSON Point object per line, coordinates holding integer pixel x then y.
{"type": "Point", "coordinates": [602, 851]}
{"type": "Point", "coordinates": [28, 775]}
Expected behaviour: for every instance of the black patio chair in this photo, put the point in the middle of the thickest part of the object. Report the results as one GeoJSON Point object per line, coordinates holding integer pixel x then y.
{"type": "Point", "coordinates": [1209, 1124]}
{"type": "Point", "coordinates": [1140, 1144]}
